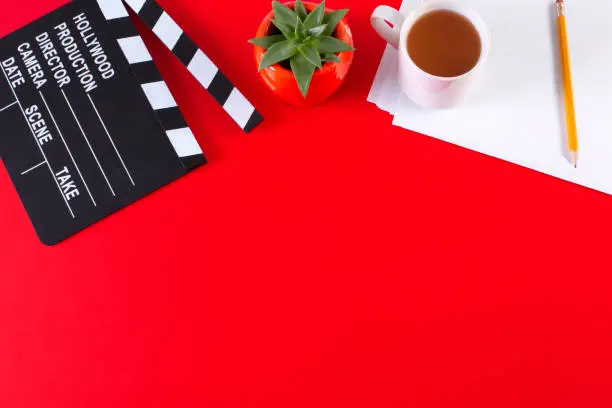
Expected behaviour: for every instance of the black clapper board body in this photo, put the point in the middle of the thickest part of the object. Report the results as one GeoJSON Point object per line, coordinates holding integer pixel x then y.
{"type": "Point", "coordinates": [87, 124]}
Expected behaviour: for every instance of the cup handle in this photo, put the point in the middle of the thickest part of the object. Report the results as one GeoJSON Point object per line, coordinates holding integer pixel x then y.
{"type": "Point", "coordinates": [380, 20]}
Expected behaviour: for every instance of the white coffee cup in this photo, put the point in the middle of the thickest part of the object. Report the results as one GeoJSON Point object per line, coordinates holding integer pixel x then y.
{"type": "Point", "coordinates": [426, 90]}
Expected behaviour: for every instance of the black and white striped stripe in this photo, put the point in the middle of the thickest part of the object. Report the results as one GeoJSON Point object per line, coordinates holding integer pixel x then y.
{"type": "Point", "coordinates": [200, 66]}
{"type": "Point", "coordinates": [153, 85]}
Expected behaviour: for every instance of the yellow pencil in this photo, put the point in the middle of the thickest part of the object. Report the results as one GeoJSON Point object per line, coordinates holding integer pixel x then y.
{"type": "Point", "coordinates": [568, 93]}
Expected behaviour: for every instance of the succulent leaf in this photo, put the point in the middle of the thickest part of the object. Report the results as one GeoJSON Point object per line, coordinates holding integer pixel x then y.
{"type": "Point", "coordinates": [300, 10]}
{"type": "Point", "coordinates": [300, 30]}
{"type": "Point", "coordinates": [287, 31]}
{"type": "Point", "coordinates": [303, 71]}
{"type": "Point", "coordinates": [332, 19]}
{"type": "Point", "coordinates": [315, 18]}
{"type": "Point", "coordinates": [267, 42]}
{"type": "Point", "coordinates": [284, 14]}
{"type": "Point", "coordinates": [330, 58]}
{"type": "Point", "coordinates": [331, 45]}
{"type": "Point", "coordinates": [318, 30]}
{"type": "Point", "coordinates": [312, 55]}
{"type": "Point", "coordinates": [278, 52]}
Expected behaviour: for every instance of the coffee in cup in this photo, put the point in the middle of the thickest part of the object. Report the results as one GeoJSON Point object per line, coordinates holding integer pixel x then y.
{"type": "Point", "coordinates": [442, 45]}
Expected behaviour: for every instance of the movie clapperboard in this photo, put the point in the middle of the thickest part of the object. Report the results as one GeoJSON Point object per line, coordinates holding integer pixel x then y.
{"type": "Point", "coordinates": [87, 124]}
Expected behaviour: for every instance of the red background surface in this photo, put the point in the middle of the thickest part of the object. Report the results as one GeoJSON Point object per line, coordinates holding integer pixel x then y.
{"type": "Point", "coordinates": [327, 259]}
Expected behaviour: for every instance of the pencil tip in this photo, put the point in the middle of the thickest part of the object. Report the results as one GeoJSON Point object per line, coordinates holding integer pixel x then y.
{"type": "Point", "coordinates": [574, 158]}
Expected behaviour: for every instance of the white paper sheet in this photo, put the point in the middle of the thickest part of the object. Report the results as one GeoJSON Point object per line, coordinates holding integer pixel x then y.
{"type": "Point", "coordinates": [516, 111]}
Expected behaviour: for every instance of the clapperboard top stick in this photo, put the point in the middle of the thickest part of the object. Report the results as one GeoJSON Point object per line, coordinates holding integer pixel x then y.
{"type": "Point", "coordinates": [192, 57]}
{"type": "Point", "coordinates": [157, 92]}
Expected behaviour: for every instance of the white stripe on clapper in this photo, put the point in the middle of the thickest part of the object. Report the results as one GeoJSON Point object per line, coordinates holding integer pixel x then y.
{"type": "Point", "coordinates": [111, 140]}
{"type": "Point", "coordinates": [68, 149]}
{"type": "Point", "coordinates": [136, 5]}
{"type": "Point", "coordinates": [202, 68]}
{"type": "Point", "coordinates": [134, 50]}
{"type": "Point", "coordinates": [112, 9]}
{"type": "Point", "coordinates": [37, 144]}
{"type": "Point", "coordinates": [239, 108]}
{"type": "Point", "coordinates": [167, 30]}
{"type": "Point", "coordinates": [33, 167]}
{"type": "Point", "coordinates": [88, 144]}
{"type": "Point", "coordinates": [159, 95]}
{"type": "Point", "coordinates": [184, 142]}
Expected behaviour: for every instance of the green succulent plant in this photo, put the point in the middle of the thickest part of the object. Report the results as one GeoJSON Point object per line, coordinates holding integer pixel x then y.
{"type": "Point", "coordinates": [306, 40]}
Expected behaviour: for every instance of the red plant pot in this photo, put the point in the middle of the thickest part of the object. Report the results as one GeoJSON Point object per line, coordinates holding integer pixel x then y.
{"type": "Point", "coordinates": [325, 80]}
